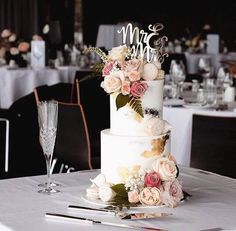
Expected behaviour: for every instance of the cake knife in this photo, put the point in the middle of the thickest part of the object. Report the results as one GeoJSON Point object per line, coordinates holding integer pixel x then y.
{"type": "Point", "coordinates": [122, 215]}
{"type": "Point", "coordinates": [97, 222]}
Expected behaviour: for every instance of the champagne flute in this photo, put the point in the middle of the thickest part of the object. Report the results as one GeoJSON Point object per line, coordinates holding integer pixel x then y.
{"type": "Point", "coordinates": [205, 69]}
{"type": "Point", "coordinates": [178, 75]}
{"type": "Point", "coordinates": [47, 117]}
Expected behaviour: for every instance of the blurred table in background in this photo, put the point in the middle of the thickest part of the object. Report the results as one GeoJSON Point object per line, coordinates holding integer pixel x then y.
{"type": "Point", "coordinates": [108, 37]}
{"type": "Point", "coordinates": [192, 60]}
{"type": "Point", "coordinates": [180, 119]}
{"type": "Point", "coordinates": [16, 83]}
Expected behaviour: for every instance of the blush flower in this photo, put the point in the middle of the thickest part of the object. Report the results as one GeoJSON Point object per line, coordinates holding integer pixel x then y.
{"type": "Point", "coordinates": [133, 76]}
{"type": "Point", "coordinates": [133, 65]}
{"type": "Point", "coordinates": [150, 196]}
{"type": "Point", "coordinates": [133, 196]}
{"type": "Point", "coordinates": [138, 89]}
{"type": "Point", "coordinates": [125, 88]}
{"type": "Point", "coordinates": [152, 179]}
{"type": "Point", "coordinates": [172, 193]}
{"type": "Point", "coordinates": [23, 47]}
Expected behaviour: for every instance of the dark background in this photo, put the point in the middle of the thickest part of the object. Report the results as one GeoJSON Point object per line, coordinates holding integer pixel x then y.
{"type": "Point", "coordinates": [180, 18]}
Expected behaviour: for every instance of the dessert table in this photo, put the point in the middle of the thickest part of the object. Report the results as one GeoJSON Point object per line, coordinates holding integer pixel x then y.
{"type": "Point", "coordinates": [212, 204]}
{"type": "Point", "coordinates": [180, 119]}
{"type": "Point", "coordinates": [18, 82]}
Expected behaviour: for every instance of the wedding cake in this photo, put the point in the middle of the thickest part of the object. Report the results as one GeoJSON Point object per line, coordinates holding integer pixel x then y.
{"type": "Point", "coordinates": [136, 164]}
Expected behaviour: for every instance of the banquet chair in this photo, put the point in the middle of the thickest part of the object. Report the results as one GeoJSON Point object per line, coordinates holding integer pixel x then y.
{"type": "Point", "coordinates": [96, 106]}
{"type": "Point", "coordinates": [72, 146]}
{"type": "Point", "coordinates": [214, 144]}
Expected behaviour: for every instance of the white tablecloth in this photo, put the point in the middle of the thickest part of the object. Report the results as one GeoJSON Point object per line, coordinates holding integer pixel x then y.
{"type": "Point", "coordinates": [22, 208]}
{"type": "Point", "coordinates": [17, 83]}
{"type": "Point", "coordinates": [181, 134]}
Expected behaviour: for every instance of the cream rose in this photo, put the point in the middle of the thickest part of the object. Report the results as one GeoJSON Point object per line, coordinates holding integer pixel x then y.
{"type": "Point", "coordinates": [133, 196]}
{"type": "Point", "coordinates": [133, 75]}
{"type": "Point", "coordinates": [111, 84]}
{"type": "Point", "coordinates": [150, 71]}
{"type": "Point", "coordinates": [166, 168]}
{"type": "Point", "coordinates": [92, 192]}
{"type": "Point", "coordinates": [133, 65]}
{"type": "Point", "coordinates": [150, 196]}
{"type": "Point", "coordinates": [154, 126]}
{"type": "Point", "coordinates": [118, 53]}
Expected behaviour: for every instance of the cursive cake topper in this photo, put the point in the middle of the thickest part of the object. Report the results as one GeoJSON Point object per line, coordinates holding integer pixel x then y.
{"type": "Point", "coordinates": [144, 43]}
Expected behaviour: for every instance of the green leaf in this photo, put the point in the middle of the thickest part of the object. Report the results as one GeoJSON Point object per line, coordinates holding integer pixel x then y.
{"type": "Point", "coordinates": [136, 105]}
{"type": "Point", "coordinates": [121, 100]}
{"type": "Point", "coordinates": [120, 190]}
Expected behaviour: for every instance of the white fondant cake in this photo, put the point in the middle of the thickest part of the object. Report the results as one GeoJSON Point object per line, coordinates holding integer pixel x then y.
{"type": "Point", "coordinates": [136, 164]}
{"type": "Point", "coordinates": [125, 121]}
{"type": "Point", "coordinates": [120, 155]}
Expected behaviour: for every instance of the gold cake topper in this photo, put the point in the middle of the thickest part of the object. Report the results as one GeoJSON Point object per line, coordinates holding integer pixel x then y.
{"type": "Point", "coordinates": [143, 43]}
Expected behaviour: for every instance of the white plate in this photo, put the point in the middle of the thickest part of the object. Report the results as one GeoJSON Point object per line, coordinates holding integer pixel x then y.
{"type": "Point", "coordinates": [196, 106]}
{"type": "Point", "coordinates": [97, 202]}
{"type": "Point", "coordinates": [173, 102]}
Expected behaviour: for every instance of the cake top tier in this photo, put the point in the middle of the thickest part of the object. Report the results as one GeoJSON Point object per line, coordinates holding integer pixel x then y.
{"type": "Point", "coordinates": [126, 68]}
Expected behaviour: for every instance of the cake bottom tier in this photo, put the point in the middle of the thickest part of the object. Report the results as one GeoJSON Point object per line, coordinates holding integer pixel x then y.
{"type": "Point", "coordinates": [123, 156]}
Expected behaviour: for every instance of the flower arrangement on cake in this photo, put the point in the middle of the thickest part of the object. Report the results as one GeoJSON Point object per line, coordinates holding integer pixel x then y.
{"type": "Point", "coordinates": [123, 73]}
{"type": "Point", "coordinates": [136, 165]}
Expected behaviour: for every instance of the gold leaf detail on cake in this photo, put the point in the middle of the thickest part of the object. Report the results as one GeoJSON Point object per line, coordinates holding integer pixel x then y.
{"type": "Point", "coordinates": [136, 105]}
{"type": "Point", "coordinates": [158, 146]}
{"type": "Point", "coordinates": [124, 173]}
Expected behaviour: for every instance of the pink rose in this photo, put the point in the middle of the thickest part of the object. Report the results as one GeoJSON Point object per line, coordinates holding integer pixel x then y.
{"type": "Point", "coordinates": [133, 196]}
{"type": "Point", "coordinates": [150, 196]}
{"type": "Point", "coordinates": [166, 168]}
{"type": "Point", "coordinates": [172, 194]}
{"type": "Point", "coordinates": [111, 84]}
{"type": "Point", "coordinates": [133, 76]}
{"type": "Point", "coordinates": [138, 89]}
{"type": "Point", "coordinates": [23, 47]}
{"type": "Point", "coordinates": [152, 179]}
{"type": "Point", "coordinates": [107, 68]}
{"type": "Point", "coordinates": [125, 88]}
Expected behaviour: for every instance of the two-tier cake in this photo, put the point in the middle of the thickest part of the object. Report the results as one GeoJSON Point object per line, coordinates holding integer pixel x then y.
{"type": "Point", "coordinates": [136, 164]}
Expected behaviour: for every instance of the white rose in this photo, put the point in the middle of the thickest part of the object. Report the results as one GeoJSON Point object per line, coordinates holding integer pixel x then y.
{"type": "Point", "coordinates": [118, 53]}
{"type": "Point", "coordinates": [106, 193]}
{"type": "Point", "coordinates": [166, 168]}
{"type": "Point", "coordinates": [111, 84]}
{"type": "Point", "coordinates": [150, 71]}
{"type": "Point", "coordinates": [99, 180]}
{"type": "Point", "coordinates": [154, 126]}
